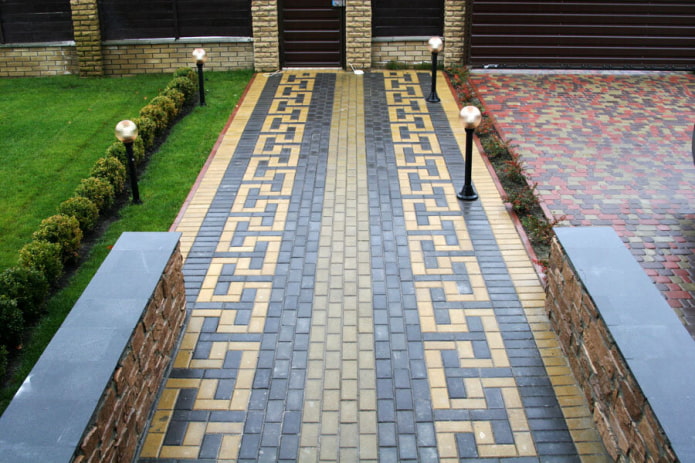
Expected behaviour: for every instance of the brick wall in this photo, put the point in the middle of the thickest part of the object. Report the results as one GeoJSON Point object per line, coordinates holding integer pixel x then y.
{"type": "Point", "coordinates": [90, 57]}
{"type": "Point", "coordinates": [265, 32]}
{"type": "Point", "coordinates": [162, 56]}
{"type": "Point", "coordinates": [410, 52]}
{"type": "Point", "coordinates": [87, 33]}
{"type": "Point", "coordinates": [38, 61]}
{"type": "Point", "coordinates": [625, 419]}
{"type": "Point", "coordinates": [124, 408]}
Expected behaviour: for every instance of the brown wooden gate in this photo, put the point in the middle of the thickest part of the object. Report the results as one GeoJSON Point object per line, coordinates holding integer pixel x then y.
{"type": "Point", "coordinates": [638, 34]}
{"type": "Point", "coordinates": [311, 34]}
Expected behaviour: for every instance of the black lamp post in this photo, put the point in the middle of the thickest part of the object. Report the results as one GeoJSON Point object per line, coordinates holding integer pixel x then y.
{"type": "Point", "coordinates": [199, 55]}
{"type": "Point", "coordinates": [471, 117]}
{"type": "Point", "coordinates": [435, 44]}
{"type": "Point", "coordinates": [127, 132]}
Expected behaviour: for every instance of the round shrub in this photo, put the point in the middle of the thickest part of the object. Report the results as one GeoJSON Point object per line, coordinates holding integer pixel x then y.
{"type": "Point", "coordinates": [158, 116]}
{"type": "Point", "coordinates": [167, 104]}
{"type": "Point", "coordinates": [147, 131]}
{"type": "Point", "coordinates": [177, 97]}
{"type": "Point", "coordinates": [97, 190]}
{"type": "Point", "coordinates": [83, 209]}
{"type": "Point", "coordinates": [63, 230]}
{"type": "Point", "coordinates": [118, 150]}
{"type": "Point", "coordinates": [139, 151]}
{"type": "Point", "coordinates": [189, 73]}
{"type": "Point", "coordinates": [184, 85]}
{"type": "Point", "coordinates": [28, 287]}
{"type": "Point", "coordinates": [44, 257]}
{"type": "Point", "coordinates": [11, 322]}
{"type": "Point", "coordinates": [111, 169]}
{"type": "Point", "coordinates": [3, 361]}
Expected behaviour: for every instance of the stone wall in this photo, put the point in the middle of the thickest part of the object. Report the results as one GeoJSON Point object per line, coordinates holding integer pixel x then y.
{"type": "Point", "coordinates": [122, 414]}
{"type": "Point", "coordinates": [640, 398]}
{"type": "Point", "coordinates": [38, 60]}
{"type": "Point", "coordinates": [89, 396]}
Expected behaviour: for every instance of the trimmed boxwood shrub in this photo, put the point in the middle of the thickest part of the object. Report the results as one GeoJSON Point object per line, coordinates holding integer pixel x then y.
{"type": "Point", "coordinates": [83, 209]}
{"type": "Point", "coordinates": [3, 361]}
{"type": "Point", "coordinates": [11, 323]}
{"type": "Point", "coordinates": [147, 131]}
{"type": "Point", "coordinates": [117, 150]}
{"type": "Point", "coordinates": [97, 190]}
{"type": "Point", "coordinates": [167, 104]}
{"type": "Point", "coordinates": [184, 85]}
{"type": "Point", "coordinates": [178, 98]}
{"type": "Point", "coordinates": [28, 287]}
{"type": "Point", "coordinates": [63, 230]}
{"type": "Point", "coordinates": [111, 169]}
{"type": "Point", "coordinates": [158, 116]}
{"type": "Point", "coordinates": [185, 72]}
{"type": "Point", "coordinates": [44, 257]}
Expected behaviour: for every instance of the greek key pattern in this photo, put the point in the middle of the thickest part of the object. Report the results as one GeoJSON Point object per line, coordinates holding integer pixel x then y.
{"type": "Point", "coordinates": [452, 296]}
{"type": "Point", "coordinates": [216, 364]}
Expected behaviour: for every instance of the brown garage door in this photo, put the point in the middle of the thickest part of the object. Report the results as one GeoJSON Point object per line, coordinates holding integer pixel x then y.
{"type": "Point", "coordinates": [311, 33]}
{"type": "Point", "coordinates": [590, 33]}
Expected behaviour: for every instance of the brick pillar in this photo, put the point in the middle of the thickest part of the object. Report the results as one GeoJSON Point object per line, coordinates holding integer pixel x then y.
{"type": "Point", "coordinates": [85, 23]}
{"type": "Point", "coordinates": [358, 33]}
{"type": "Point", "coordinates": [266, 47]}
{"type": "Point", "coordinates": [454, 32]}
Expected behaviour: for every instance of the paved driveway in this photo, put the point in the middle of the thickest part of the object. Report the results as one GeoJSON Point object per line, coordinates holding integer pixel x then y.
{"type": "Point", "coordinates": [611, 149]}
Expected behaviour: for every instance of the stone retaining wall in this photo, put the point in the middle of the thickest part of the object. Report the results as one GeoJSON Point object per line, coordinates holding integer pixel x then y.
{"type": "Point", "coordinates": [631, 355]}
{"type": "Point", "coordinates": [89, 396]}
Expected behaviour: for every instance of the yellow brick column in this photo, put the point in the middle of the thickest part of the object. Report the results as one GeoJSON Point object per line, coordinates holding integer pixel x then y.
{"type": "Point", "coordinates": [87, 31]}
{"type": "Point", "coordinates": [454, 32]}
{"type": "Point", "coordinates": [266, 46]}
{"type": "Point", "coordinates": [358, 33]}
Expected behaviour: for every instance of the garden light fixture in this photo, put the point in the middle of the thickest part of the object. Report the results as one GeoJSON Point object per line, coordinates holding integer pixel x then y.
{"type": "Point", "coordinates": [435, 45]}
{"type": "Point", "coordinates": [200, 58]}
{"type": "Point", "coordinates": [127, 132]}
{"type": "Point", "coordinates": [471, 117]}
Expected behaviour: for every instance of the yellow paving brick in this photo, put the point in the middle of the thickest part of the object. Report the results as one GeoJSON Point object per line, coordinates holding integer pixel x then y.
{"type": "Point", "coordinates": [229, 448]}
{"type": "Point", "coordinates": [169, 451]}
{"type": "Point", "coordinates": [194, 434]}
{"type": "Point", "coordinates": [152, 445]}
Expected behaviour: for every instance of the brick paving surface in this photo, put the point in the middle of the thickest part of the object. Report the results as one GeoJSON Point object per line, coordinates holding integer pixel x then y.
{"type": "Point", "coordinates": [611, 149]}
{"type": "Point", "coordinates": [345, 306]}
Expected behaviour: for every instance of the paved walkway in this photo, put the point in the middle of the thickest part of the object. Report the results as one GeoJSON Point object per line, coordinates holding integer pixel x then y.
{"type": "Point", "coordinates": [611, 148]}
{"type": "Point", "coordinates": [345, 306]}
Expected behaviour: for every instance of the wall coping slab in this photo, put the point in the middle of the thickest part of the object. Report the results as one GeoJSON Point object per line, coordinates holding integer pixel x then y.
{"type": "Point", "coordinates": [654, 343]}
{"type": "Point", "coordinates": [47, 418]}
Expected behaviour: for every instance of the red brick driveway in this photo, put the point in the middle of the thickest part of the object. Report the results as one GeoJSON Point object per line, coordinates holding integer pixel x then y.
{"type": "Point", "coordinates": [611, 149]}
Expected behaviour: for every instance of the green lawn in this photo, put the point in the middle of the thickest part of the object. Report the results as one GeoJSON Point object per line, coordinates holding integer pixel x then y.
{"type": "Point", "coordinates": [51, 132]}
{"type": "Point", "coordinates": [164, 186]}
